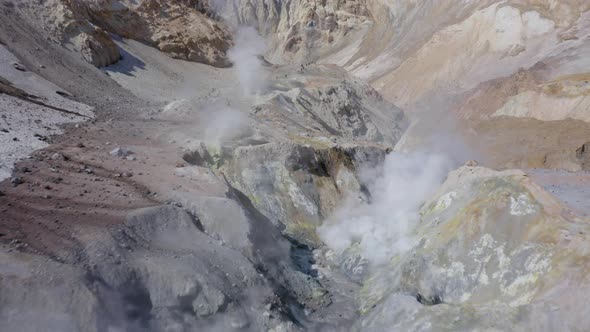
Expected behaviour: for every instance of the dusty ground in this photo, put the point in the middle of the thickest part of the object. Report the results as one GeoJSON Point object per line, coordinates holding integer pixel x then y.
{"type": "Point", "coordinates": [528, 143]}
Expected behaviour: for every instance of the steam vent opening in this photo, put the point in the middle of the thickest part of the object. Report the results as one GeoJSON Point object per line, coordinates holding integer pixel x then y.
{"type": "Point", "coordinates": [274, 165]}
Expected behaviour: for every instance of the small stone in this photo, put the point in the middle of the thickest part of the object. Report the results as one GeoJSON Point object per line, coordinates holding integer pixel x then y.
{"type": "Point", "coordinates": [57, 156]}
{"type": "Point", "coordinates": [2, 194]}
{"type": "Point", "coordinates": [15, 139]}
{"type": "Point", "coordinates": [55, 179]}
{"type": "Point", "coordinates": [239, 322]}
{"type": "Point", "coordinates": [126, 174]}
{"type": "Point", "coordinates": [130, 158]}
{"type": "Point", "coordinates": [16, 181]}
{"type": "Point", "coordinates": [42, 138]}
{"type": "Point", "coordinates": [4, 130]}
{"type": "Point", "coordinates": [120, 152]}
{"type": "Point", "coordinates": [80, 145]}
{"type": "Point", "coordinates": [18, 66]}
{"type": "Point", "coordinates": [471, 163]}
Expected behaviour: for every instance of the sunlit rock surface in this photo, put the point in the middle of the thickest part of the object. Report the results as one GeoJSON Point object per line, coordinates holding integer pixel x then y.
{"type": "Point", "coordinates": [181, 29]}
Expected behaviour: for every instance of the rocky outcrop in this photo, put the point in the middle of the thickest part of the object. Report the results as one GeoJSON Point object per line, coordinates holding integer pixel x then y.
{"type": "Point", "coordinates": [301, 150]}
{"type": "Point", "coordinates": [325, 101]}
{"type": "Point", "coordinates": [181, 29]}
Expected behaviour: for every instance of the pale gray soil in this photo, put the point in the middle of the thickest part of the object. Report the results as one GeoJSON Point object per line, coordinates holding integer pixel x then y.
{"type": "Point", "coordinates": [573, 188]}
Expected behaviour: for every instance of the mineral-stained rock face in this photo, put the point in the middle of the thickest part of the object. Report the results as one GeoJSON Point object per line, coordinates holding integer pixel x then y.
{"type": "Point", "coordinates": [180, 29]}
{"type": "Point", "coordinates": [490, 244]}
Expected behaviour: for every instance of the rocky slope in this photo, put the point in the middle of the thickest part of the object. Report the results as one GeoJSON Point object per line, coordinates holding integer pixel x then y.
{"type": "Point", "coordinates": [181, 29]}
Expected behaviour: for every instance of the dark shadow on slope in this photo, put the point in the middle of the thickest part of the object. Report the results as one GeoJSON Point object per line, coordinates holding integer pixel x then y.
{"type": "Point", "coordinates": [128, 63]}
{"type": "Point", "coordinates": [127, 307]}
{"type": "Point", "coordinates": [273, 257]}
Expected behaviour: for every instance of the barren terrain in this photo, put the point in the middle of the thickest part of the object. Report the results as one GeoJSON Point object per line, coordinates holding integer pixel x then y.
{"type": "Point", "coordinates": [361, 165]}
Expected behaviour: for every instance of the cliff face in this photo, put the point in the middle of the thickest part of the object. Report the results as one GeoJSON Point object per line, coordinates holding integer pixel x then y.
{"type": "Point", "coordinates": [301, 31]}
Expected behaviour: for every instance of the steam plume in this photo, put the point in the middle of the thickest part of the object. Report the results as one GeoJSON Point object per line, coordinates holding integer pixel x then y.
{"type": "Point", "coordinates": [244, 55]}
{"type": "Point", "coordinates": [383, 227]}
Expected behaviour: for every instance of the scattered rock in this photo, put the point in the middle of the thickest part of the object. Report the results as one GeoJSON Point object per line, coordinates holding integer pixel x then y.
{"type": "Point", "coordinates": [80, 145]}
{"type": "Point", "coordinates": [55, 179]}
{"type": "Point", "coordinates": [18, 66]}
{"type": "Point", "coordinates": [41, 137]}
{"type": "Point", "coordinates": [130, 158]}
{"type": "Point", "coordinates": [57, 156]}
{"type": "Point", "coordinates": [120, 152]}
{"type": "Point", "coordinates": [85, 169]}
{"type": "Point", "coordinates": [126, 174]}
{"type": "Point", "coordinates": [16, 181]}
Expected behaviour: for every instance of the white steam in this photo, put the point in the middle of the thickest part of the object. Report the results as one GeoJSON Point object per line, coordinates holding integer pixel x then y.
{"type": "Point", "coordinates": [245, 55]}
{"type": "Point", "coordinates": [224, 124]}
{"type": "Point", "coordinates": [383, 227]}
